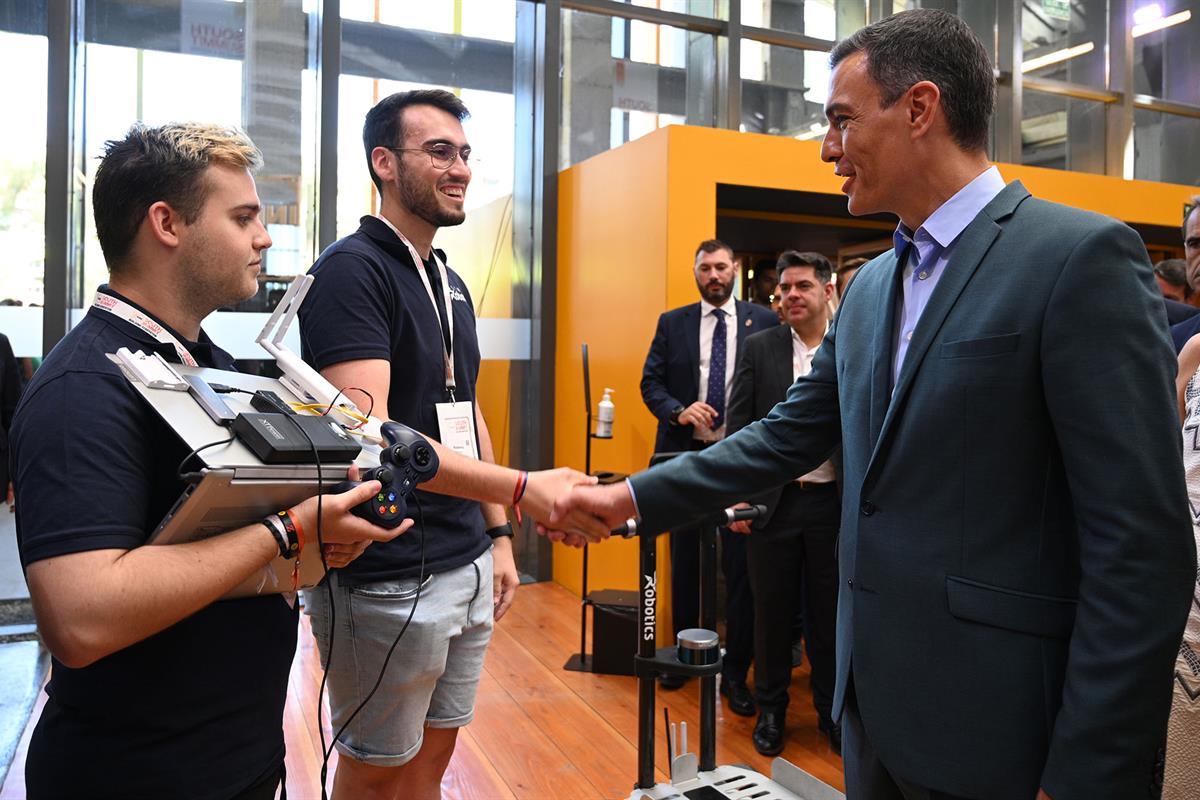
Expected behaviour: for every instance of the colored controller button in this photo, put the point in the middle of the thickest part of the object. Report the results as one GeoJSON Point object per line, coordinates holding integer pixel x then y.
{"type": "Point", "coordinates": [393, 509]}
{"type": "Point", "coordinates": [391, 497]}
{"type": "Point", "coordinates": [383, 510]}
{"type": "Point", "coordinates": [380, 497]}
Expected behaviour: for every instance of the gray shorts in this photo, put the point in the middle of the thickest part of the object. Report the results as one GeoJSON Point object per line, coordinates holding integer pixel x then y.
{"type": "Point", "coordinates": [433, 673]}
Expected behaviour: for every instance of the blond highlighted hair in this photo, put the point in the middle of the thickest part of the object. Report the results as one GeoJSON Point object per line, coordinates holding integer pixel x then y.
{"type": "Point", "coordinates": [164, 163]}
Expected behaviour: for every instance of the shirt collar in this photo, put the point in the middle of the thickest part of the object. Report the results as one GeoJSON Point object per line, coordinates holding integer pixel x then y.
{"type": "Point", "coordinates": [729, 307]}
{"type": "Point", "coordinates": [797, 341]}
{"type": "Point", "coordinates": [953, 216]}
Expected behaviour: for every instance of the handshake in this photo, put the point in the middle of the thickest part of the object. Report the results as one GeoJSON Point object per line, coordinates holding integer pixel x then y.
{"type": "Point", "coordinates": [569, 507]}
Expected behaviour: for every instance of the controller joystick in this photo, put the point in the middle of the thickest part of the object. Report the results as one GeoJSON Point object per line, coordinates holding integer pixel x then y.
{"type": "Point", "coordinates": [406, 461]}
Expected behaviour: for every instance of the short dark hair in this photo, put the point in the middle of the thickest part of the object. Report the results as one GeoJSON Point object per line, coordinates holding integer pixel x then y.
{"type": "Point", "coordinates": [712, 246]}
{"type": "Point", "coordinates": [794, 258]}
{"type": "Point", "coordinates": [384, 126]}
{"type": "Point", "coordinates": [936, 46]}
{"type": "Point", "coordinates": [165, 163]}
{"type": "Point", "coordinates": [1174, 272]}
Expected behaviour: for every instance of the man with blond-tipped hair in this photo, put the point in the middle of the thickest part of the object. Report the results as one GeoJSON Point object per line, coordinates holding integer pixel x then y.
{"type": "Point", "coordinates": [156, 688]}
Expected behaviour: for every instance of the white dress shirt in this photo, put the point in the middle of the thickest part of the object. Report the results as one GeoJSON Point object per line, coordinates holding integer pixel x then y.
{"type": "Point", "coordinates": [802, 358]}
{"type": "Point", "coordinates": [708, 324]}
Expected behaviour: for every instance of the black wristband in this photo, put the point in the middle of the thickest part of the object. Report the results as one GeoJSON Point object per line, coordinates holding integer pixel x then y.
{"type": "Point", "coordinates": [500, 530]}
{"type": "Point", "coordinates": [675, 415]}
{"type": "Point", "coordinates": [273, 524]}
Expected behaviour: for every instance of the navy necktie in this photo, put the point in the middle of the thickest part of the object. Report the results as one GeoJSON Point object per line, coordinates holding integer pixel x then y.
{"type": "Point", "coordinates": [716, 370]}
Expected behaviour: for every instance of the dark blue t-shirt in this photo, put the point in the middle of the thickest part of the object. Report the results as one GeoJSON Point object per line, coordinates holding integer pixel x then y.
{"type": "Point", "coordinates": [368, 302]}
{"type": "Point", "coordinates": [195, 711]}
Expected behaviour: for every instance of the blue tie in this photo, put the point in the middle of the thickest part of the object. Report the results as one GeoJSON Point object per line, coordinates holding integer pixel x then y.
{"type": "Point", "coordinates": [716, 370]}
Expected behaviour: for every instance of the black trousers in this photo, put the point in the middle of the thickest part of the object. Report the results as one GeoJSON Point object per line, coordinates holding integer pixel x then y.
{"type": "Point", "coordinates": [867, 778]}
{"type": "Point", "coordinates": [797, 546]}
{"type": "Point", "coordinates": [739, 602]}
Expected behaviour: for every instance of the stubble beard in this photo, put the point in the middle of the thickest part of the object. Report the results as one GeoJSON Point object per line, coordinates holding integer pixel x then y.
{"type": "Point", "coordinates": [421, 200]}
{"type": "Point", "coordinates": [715, 296]}
{"type": "Point", "coordinates": [204, 291]}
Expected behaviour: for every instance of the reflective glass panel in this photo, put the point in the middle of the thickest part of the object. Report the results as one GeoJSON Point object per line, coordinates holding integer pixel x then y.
{"type": "Point", "coordinates": [787, 96]}
{"type": "Point", "coordinates": [1166, 47]}
{"type": "Point", "coordinates": [623, 78]}
{"type": "Point", "coordinates": [228, 63]}
{"type": "Point", "coordinates": [1065, 40]}
{"type": "Point", "coordinates": [1062, 133]}
{"type": "Point", "coordinates": [1166, 147]}
{"type": "Point", "coordinates": [23, 190]}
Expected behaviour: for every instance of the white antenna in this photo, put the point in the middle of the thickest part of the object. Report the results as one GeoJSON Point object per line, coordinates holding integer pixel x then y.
{"type": "Point", "coordinates": [301, 379]}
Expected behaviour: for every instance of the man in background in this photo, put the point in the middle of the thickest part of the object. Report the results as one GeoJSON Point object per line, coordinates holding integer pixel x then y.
{"type": "Point", "coordinates": [1185, 330]}
{"type": "Point", "coordinates": [685, 384]}
{"type": "Point", "coordinates": [158, 686]}
{"type": "Point", "coordinates": [794, 544]}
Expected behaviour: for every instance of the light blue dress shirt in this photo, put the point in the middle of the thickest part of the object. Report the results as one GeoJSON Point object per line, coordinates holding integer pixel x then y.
{"type": "Point", "coordinates": [926, 253]}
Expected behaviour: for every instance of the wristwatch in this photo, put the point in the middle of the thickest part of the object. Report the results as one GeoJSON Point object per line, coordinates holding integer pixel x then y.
{"type": "Point", "coordinates": [500, 530]}
{"type": "Point", "coordinates": [675, 412]}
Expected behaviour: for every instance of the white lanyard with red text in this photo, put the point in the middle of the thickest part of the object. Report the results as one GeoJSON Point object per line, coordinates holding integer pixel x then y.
{"type": "Point", "coordinates": [418, 262]}
{"type": "Point", "coordinates": [122, 310]}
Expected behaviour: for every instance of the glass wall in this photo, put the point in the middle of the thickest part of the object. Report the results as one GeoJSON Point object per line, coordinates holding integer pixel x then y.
{"type": "Point", "coordinates": [229, 63]}
{"type": "Point", "coordinates": [23, 183]}
{"type": "Point", "coordinates": [1066, 40]}
{"type": "Point", "coordinates": [1062, 133]}
{"type": "Point", "coordinates": [1166, 45]}
{"type": "Point", "coordinates": [623, 78]}
{"type": "Point", "coordinates": [1166, 147]}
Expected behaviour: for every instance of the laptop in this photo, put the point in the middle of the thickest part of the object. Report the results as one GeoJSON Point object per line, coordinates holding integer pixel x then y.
{"type": "Point", "coordinates": [235, 488]}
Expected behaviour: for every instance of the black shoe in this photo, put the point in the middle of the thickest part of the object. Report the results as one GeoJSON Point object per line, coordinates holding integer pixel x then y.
{"type": "Point", "coordinates": [672, 682]}
{"type": "Point", "coordinates": [797, 653]}
{"type": "Point", "coordinates": [834, 732]}
{"type": "Point", "coordinates": [768, 733]}
{"type": "Point", "coordinates": [740, 701]}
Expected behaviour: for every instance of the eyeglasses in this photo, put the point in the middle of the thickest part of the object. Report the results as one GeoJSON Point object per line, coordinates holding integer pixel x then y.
{"type": "Point", "coordinates": [442, 156]}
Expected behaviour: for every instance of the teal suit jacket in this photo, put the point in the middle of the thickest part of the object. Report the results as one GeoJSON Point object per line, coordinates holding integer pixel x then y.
{"type": "Point", "coordinates": [1016, 552]}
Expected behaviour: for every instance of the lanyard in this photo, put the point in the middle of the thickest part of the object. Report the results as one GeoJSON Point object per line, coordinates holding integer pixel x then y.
{"type": "Point", "coordinates": [419, 263]}
{"type": "Point", "coordinates": [122, 310]}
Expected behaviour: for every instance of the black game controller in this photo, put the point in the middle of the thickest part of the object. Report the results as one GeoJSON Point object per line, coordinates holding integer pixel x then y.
{"type": "Point", "coordinates": [406, 461]}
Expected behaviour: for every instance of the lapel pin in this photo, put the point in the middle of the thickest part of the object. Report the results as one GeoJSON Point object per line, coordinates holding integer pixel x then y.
{"type": "Point", "coordinates": [747, 323]}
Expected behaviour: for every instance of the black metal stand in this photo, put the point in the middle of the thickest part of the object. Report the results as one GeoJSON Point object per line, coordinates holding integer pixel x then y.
{"type": "Point", "coordinates": [578, 662]}
{"type": "Point", "coordinates": [652, 661]}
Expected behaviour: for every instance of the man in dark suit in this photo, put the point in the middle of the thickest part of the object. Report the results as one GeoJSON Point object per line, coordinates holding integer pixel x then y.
{"type": "Point", "coordinates": [685, 384]}
{"type": "Point", "coordinates": [1015, 553]}
{"type": "Point", "coordinates": [1185, 330]}
{"type": "Point", "coordinates": [794, 544]}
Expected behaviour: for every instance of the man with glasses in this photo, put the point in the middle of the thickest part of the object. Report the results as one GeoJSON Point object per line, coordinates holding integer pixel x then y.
{"type": "Point", "coordinates": [1191, 252]}
{"type": "Point", "coordinates": [387, 321]}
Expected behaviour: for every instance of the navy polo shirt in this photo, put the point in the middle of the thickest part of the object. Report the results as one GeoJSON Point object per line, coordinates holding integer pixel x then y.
{"type": "Point", "coordinates": [368, 302]}
{"type": "Point", "coordinates": [195, 711]}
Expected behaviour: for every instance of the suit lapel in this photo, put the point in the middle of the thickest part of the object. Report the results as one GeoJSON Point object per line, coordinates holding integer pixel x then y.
{"type": "Point", "coordinates": [969, 252]}
{"type": "Point", "coordinates": [691, 334]}
{"type": "Point", "coordinates": [740, 317]}
{"type": "Point", "coordinates": [782, 356]}
{"type": "Point", "coordinates": [881, 343]}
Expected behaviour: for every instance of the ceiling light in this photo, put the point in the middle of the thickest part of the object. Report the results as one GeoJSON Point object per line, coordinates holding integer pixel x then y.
{"type": "Point", "coordinates": [1147, 14]}
{"type": "Point", "coordinates": [1029, 65]}
{"type": "Point", "coordinates": [1159, 24]}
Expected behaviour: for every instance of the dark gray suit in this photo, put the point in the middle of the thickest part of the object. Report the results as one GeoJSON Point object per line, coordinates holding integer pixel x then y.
{"type": "Point", "coordinates": [1015, 552]}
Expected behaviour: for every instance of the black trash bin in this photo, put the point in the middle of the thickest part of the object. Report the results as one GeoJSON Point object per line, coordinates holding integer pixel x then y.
{"type": "Point", "coordinates": [614, 631]}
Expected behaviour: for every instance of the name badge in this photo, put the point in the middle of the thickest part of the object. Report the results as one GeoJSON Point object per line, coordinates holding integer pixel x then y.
{"type": "Point", "coordinates": [456, 426]}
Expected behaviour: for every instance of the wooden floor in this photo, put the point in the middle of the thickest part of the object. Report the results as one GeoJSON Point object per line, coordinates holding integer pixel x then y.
{"type": "Point", "coordinates": [541, 732]}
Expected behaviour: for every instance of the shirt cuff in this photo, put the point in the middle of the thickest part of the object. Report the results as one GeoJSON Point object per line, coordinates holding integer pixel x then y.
{"type": "Point", "coordinates": [633, 496]}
